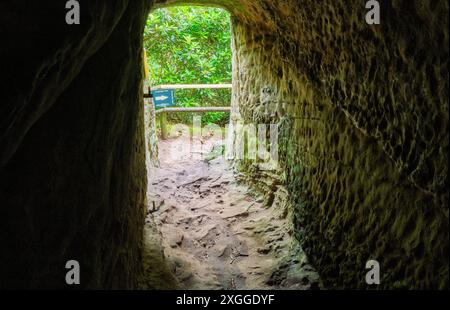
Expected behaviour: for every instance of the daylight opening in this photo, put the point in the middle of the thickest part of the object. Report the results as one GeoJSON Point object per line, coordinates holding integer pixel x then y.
{"type": "Point", "coordinates": [209, 219]}
{"type": "Point", "coordinates": [188, 72]}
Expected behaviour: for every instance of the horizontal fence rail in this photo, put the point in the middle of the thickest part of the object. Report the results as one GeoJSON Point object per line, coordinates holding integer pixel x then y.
{"type": "Point", "coordinates": [192, 86]}
{"type": "Point", "coordinates": [194, 110]}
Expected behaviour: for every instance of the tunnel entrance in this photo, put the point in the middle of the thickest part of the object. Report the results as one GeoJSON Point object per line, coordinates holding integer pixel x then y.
{"type": "Point", "coordinates": [216, 231]}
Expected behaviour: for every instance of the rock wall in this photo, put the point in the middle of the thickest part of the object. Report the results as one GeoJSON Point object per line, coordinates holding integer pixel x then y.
{"type": "Point", "coordinates": [363, 118]}
{"type": "Point", "coordinates": [72, 178]}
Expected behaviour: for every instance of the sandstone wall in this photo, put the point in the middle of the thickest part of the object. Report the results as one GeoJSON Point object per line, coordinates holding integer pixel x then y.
{"type": "Point", "coordinates": [72, 178]}
{"type": "Point", "coordinates": [363, 119]}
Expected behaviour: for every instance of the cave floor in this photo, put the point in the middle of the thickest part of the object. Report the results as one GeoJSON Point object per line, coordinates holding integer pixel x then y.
{"type": "Point", "coordinates": [216, 233]}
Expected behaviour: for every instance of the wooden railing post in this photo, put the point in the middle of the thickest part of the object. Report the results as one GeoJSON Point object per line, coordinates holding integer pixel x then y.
{"type": "Point", "coordinates": [163, 125]}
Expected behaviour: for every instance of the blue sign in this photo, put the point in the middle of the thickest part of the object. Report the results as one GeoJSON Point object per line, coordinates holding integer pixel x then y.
{"type": "Point", "coordinates": [163, 98]}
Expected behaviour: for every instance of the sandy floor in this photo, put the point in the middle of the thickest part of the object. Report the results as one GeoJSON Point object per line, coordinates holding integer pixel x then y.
{"type": "Point", "coordinates": [216, 233]}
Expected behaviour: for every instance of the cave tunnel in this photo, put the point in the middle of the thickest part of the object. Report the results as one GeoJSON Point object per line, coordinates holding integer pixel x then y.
{"type": "Point", "coordinates": [363, 137]}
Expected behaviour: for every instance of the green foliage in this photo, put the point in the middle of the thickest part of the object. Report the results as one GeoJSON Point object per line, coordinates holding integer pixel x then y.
{"type": "Point", "coordinates": [191, 45]}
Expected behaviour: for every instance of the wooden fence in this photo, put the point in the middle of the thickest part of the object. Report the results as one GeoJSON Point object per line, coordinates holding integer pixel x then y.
{"type": "Point", "coordinates": [162, 113]}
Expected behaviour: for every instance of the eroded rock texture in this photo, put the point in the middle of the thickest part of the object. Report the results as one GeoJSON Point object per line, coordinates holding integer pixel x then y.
{"type": "Point", "coordinates": [363, 132]}
{"type": "Point", "coordinates": [363, 120]}
{"type": "Point", "coordinates": [73, 173]}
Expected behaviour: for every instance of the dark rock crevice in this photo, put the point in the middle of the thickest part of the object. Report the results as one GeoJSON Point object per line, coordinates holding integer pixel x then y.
{"type": "Point", "coordinates": [75, 188]}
